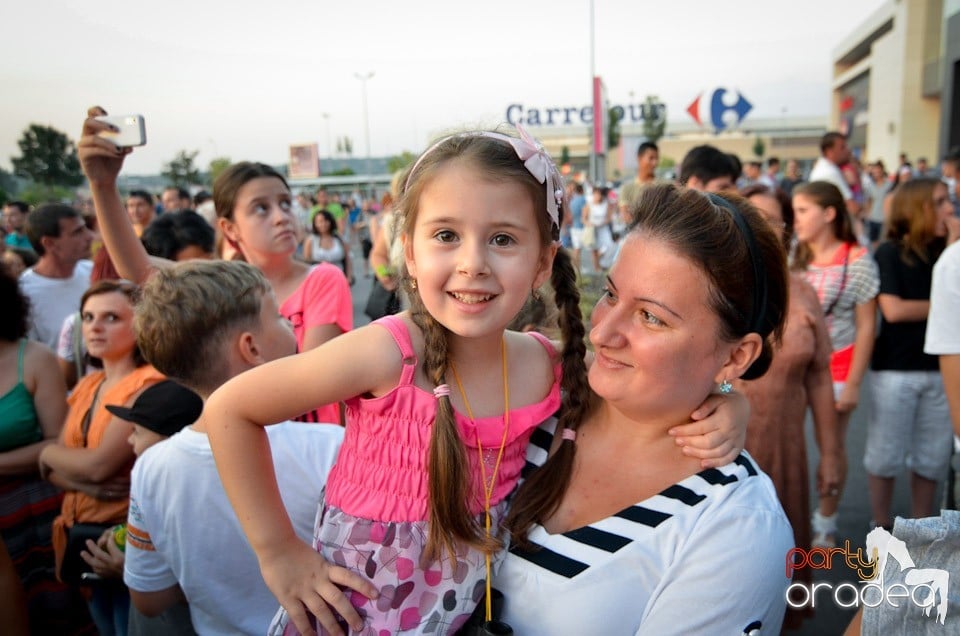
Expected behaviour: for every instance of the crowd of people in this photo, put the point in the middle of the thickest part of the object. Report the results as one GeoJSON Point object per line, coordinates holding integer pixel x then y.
{"type": "Point", "coordinates": [198, 439]}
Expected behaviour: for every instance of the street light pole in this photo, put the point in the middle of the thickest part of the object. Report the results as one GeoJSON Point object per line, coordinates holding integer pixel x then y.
{"type": "Point", "coordinates": [326, 119]}
{"type": "Point", "coordinates": [593, 74]}
{"type": "Point", "coordinates": [363, 77]}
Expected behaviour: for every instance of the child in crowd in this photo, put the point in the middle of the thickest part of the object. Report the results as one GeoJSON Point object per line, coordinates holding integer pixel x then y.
{"type": "Point", "coordinates": [255, 215]}
{"type": "Point", "coordinates": [204, 322]}
{"type": "Point", "coordinates": [440, 401]}
{"type": "Point", "coordinates": [845, 278]}
{"type": "Point", "coordinates": [160, 411]}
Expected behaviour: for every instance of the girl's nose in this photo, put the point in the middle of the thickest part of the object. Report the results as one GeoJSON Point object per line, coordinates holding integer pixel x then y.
{"type": "Point", "coordinates": [473, 259]}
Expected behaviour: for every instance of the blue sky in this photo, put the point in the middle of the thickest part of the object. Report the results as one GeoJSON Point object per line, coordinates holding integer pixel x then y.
{"type": "Point", "coordinates": [245, 79]}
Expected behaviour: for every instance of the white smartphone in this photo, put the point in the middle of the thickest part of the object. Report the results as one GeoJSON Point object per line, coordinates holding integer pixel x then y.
{"type": "Point", "coordinates": [132, 131]}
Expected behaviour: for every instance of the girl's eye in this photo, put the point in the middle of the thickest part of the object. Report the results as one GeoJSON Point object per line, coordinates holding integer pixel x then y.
{"type": "Point", "coordinates": [445, 236]}
{"type": "Point", "coordinates": [650, 318]}
{"type": "Point", "coordinates": [502, 240]}
{"type": "Point", "coordinates": [260, 208]}
{"type": "Point", "coordinates": [286, 205]}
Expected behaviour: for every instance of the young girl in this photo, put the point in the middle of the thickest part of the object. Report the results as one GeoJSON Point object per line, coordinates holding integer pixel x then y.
{"type": "Point", "coordinates": [255, 216]}
{"type": "Point", "coordinates": [846, 281]}
{"type": "Point", "coordinates": [909, 413]}
{"type": "Point", "coordinates": [440, 402]}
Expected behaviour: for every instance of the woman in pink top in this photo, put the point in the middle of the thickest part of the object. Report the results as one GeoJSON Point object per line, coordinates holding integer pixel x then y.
{"type": "Point", "coordinates": [440, 403]}
{"type": "Point", "coordinates": [255, 216]}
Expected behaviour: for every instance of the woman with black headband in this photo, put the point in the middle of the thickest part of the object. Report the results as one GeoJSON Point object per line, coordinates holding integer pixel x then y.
{"type": "Point", "coordinates": [619, 532]}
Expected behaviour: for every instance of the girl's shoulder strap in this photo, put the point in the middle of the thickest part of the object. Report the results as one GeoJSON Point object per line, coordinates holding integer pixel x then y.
{"type": "Point", "coordinates": [401, 335]}
{"type": "Point", "coordinates": [552, 352]}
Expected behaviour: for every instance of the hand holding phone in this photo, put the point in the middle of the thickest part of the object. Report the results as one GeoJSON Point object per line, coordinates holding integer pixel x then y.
{"type": "Point", "coordinates": [130, 130]}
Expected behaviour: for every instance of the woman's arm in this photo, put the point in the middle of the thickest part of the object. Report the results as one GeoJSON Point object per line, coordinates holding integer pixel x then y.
{"type": "Point", "coordinates": [347, 261]}
{"type": "Point", "coordinates": [365, 360]}
{"type": "Point", "coordinates": [93, 465]}
{"type": "Point", "coordinates": [380, 259]}
{"type": "Point", "coordinates": [865, 318]}
{"type": "Point", "coordinates": [308, 249]}
{"type": "Point", "coordinates": [101, 161]}
{"type": "Point", "coordinates": [44, 381]}
{"type": "Point", "coordinates": [896, 309]}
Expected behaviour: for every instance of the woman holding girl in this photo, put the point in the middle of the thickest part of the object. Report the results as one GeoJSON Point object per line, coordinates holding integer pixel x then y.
{"type": "Point", "coordinates": [909, 412]}
{"type": "Point", "coordinates": [845, 278]}
{"type": "Point", "coordinates": [617, 531]}
{"type": "Point", "coordinates": [324, 245]}
{"type": "Point", "coordinates": [255, 215]}
{"type": "Point", "coordinates": [441, 402]}
{"type": "Point", "coordinates": [92, 459]}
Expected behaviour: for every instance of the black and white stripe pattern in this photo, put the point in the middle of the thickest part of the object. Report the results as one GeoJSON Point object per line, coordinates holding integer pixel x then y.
{"type": "Point", "coordinates": [574, 552]}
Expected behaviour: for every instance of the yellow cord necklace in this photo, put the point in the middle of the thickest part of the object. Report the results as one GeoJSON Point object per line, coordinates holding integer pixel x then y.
{"type": "Point", "coordinates": [488, 486]}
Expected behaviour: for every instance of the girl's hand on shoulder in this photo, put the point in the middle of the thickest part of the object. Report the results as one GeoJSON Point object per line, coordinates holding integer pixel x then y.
{"type": "Point", "coordinates": [306, 584]}
{"type": "Point", "coordinates": [718, 431]}
{"type": "Point", "coordinates": [100, 158]}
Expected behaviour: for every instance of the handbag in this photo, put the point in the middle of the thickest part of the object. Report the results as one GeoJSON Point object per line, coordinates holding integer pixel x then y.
{"type": "Point", "coordinates": [73, 567]}
{"type": "Point", "coordinates": [381, 302]}
{"type": "Point", "coordinates": [589, 237]}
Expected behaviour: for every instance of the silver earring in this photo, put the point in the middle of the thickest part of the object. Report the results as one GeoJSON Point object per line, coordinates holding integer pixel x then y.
{"type": "Point", "coordinates": [536, 294]}
{"type": "Point", "coordinates": [726, 388]}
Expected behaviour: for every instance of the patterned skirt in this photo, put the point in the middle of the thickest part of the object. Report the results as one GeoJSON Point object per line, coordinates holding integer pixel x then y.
{"type": "Point", "coordinates": [28, 507]}
{"type": "Point", "coordinates": [436, 600]}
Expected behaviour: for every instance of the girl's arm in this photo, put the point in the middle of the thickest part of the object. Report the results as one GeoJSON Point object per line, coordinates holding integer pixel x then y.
{"type": "Point", "coordinates": [718, 432]}
{"type": "Point", "coordinates": [359, 362]}
{"type": "Point", "coordinates": [865, 318]}
{"type": "Point", "coordinates": [380, 258]}
{"type": "Point", "coordinates": [101, 162]}
{"type": "Point", "coordinates": [819, 384]}
{"type": "Point", "coordinates": [896, 309]}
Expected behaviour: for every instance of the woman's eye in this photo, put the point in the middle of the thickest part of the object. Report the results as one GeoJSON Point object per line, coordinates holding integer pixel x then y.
{"type": "Point", "coordinates": [608, 295]}
{"type": "Point", "coordinates": [445, 236]}
{"type": "Point", "coordinates": [650, 318]}
{"type": "Point", "coordinates": [86, 317]}
{"type": "Point", "coordinates": [502, 240]}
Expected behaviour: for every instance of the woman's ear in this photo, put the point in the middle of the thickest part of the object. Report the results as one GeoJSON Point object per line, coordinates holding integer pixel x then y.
{"type": "Point", "coordinates": [830, 213]}
{"type": "Point", "coordinates": [742, 355]}
{"type": "Point", "coordinates": [229, 230]}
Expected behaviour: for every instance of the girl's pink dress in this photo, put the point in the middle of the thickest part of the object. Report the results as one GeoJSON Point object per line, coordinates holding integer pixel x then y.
{"type": "Point", "coordinates": [374, 515]}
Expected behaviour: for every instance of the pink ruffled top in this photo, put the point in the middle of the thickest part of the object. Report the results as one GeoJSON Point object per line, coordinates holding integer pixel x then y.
{"type": "Point", "coordinates": [381, 472]}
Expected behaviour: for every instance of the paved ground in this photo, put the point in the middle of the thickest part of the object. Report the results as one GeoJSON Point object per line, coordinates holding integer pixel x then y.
{"type": "Point", "coordinates": [854, 520]}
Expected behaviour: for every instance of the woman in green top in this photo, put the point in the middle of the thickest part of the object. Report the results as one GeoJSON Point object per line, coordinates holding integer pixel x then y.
{"type": "Point", "coordinates": [32, 409]}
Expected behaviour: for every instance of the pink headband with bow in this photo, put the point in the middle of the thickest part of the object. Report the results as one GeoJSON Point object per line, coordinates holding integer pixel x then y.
{"type": "Point", "coordinates": [534, 158]}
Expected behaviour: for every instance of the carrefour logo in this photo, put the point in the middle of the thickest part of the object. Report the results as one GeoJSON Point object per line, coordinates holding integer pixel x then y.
{"type": "Point", "coordinates": [719, 108]}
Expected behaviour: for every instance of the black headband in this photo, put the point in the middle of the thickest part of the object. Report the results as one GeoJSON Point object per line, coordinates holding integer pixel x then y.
{"type": "Point", "coordinates": [759, 272]}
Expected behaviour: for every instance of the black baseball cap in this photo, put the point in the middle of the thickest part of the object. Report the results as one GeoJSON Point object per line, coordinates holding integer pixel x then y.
{"type": "Point", "coordinates": [164, 408]}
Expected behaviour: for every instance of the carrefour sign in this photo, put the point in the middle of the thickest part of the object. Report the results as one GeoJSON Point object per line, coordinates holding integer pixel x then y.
{"type": "Point", "coordinates": [582, 115]}
{"type": "Point", "coordinates": [718, 110]}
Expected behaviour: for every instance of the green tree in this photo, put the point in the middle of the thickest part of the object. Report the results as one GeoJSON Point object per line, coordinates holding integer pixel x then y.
{"type": "Point", "coordinates": [180, 171]}
{"type": "Point", "coordinates": [564, 155]}
{"type": "Point", "coordinates": [343, 171]}
{"type": "Point", "coordinates": [401, 161]}
{"type": "Point", "coordinates": [38, 193]}
{"type": "Point", "coordinates": [48, 157]}
{"type": "Point", "coordinates": [655, 118]}
{"type": "Point", "coordinates": [759, 147]}
{"type": "Point", "coordinates": [217, 165]}
{"type": "Point", "coordinates": [613, 130]}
